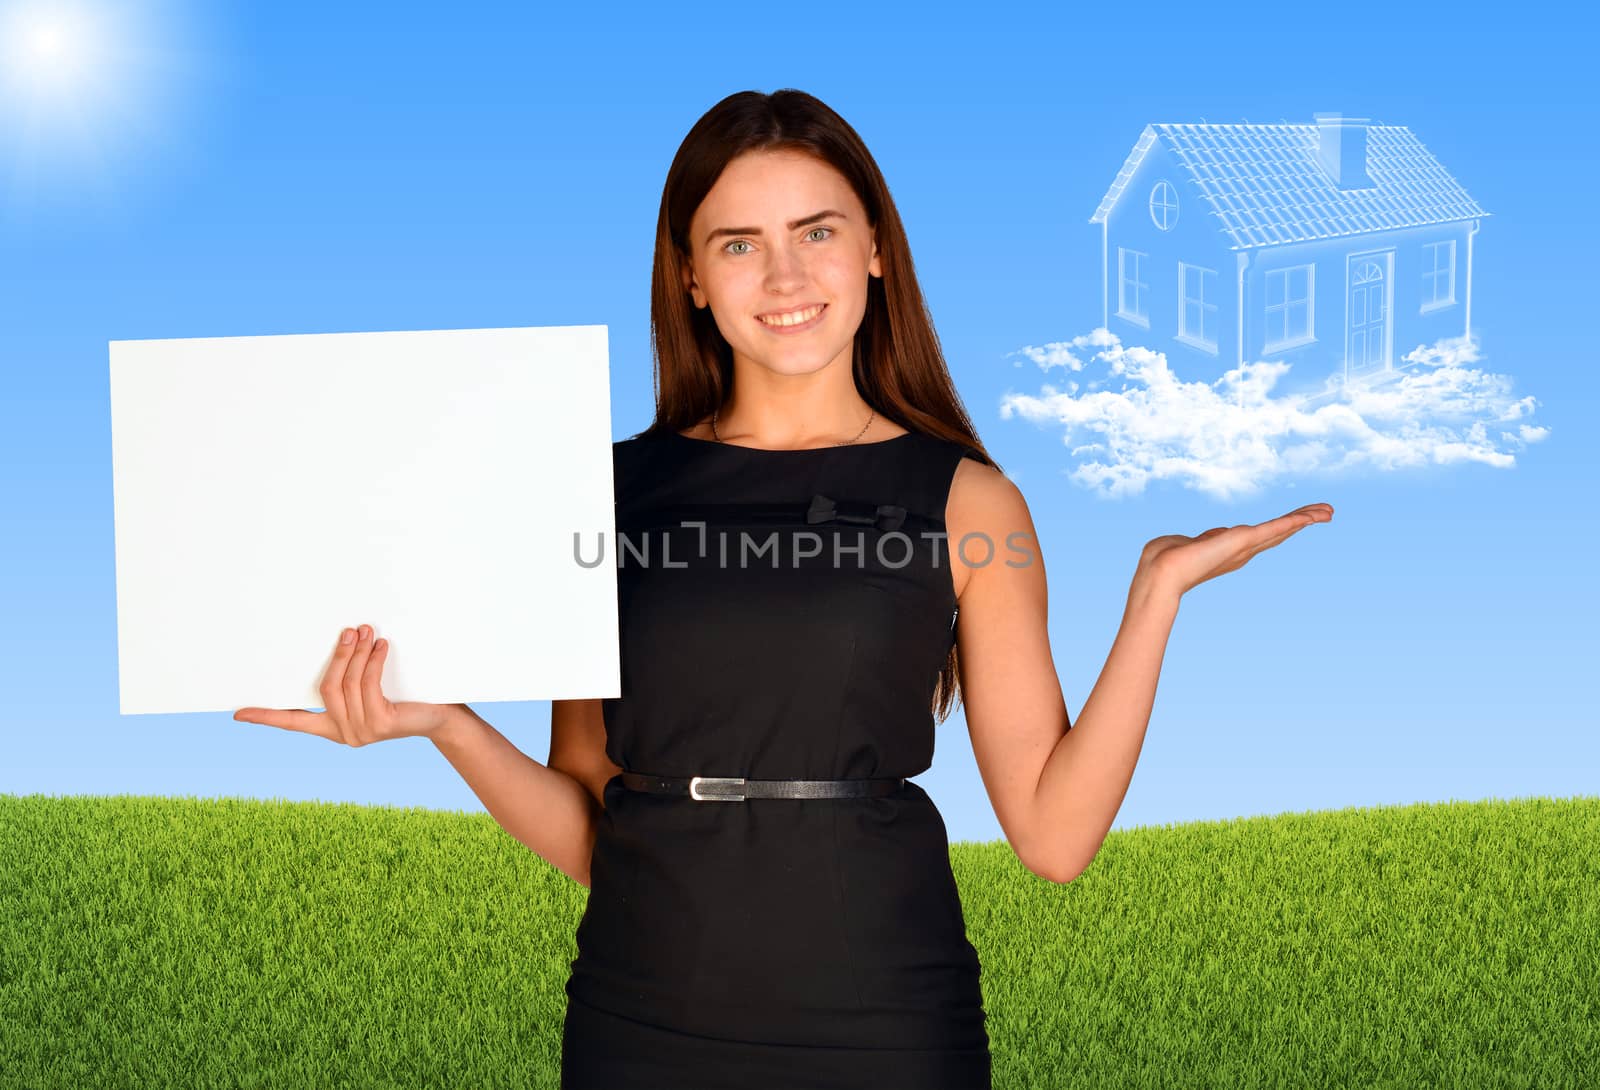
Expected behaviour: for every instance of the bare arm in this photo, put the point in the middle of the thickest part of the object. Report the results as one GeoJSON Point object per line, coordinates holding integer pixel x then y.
{"type": "Point", "coordinates": [550, 811]}
{"type": "Point", "coordinates": [1056, 786]}
{"type": "Point", "coordinates": [1089, 769]}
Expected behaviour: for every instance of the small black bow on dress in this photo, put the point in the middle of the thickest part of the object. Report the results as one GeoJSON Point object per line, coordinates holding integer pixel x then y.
{"type": "Point", "coordinates": [886, 516]}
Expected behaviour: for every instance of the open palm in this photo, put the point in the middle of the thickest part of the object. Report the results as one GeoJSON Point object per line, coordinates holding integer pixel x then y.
{"type": "Point", "coordinates": [1182, 562]}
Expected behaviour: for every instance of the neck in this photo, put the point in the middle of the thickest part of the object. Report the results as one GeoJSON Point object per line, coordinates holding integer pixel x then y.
{"type": "Point", "coordinates": [722, 432]}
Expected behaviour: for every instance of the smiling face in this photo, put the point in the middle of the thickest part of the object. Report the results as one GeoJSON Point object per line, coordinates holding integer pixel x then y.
{"type": "Point", "coordinates": [780, 234]}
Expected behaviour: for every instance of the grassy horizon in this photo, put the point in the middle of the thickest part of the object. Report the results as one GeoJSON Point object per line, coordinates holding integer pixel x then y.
{"type": "Point", "coordinates": [262, 943]}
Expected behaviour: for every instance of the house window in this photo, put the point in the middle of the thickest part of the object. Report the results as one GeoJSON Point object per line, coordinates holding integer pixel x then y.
{"type": "Point", "coordinates": [1291, 318]}
{"type": "Point", "coordinates": [1132, 290]}
{"type": "Point", "coordinates": [1438, 274]}
{"type": "Point", "coordinates": [1164, 205]}
{"type": "Point", "coordinates": [1197, 309]}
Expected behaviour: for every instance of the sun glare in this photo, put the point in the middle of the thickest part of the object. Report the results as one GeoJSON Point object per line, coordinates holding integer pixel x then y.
{"type": "Point", "coordinates": [49, 52]}
{"type": "Point", "coordinates": [47, 42]}
{"type": "Point", "coordinates": [88, 88]}
{"type": "Point", "coordinates": [52, 53]}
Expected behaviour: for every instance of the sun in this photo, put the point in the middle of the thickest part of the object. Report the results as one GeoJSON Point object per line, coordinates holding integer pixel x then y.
{"type": "Point", "coordinates": [48, 45]}
{"type": "Point", "coordinates": [52, 52]}
{"type": "Point", "coordinates": [89, 89]}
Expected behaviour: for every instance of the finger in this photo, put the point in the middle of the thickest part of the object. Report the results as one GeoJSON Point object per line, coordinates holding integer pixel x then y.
{"type": "Point", "coordinates": [1299, 524]}
{"type": "Point", "coordinates": [1266, 534]}
{"type": "Point", "coordinates": [306, 722]}
{"type": "Point", "coordinates": [352, 679]}
{"type": "Point", "coordinates": [372, 697]}
{"type": "Point", "coordinates": [332, 687]}
{"type": "Point", "coordinates": [1312, 510]}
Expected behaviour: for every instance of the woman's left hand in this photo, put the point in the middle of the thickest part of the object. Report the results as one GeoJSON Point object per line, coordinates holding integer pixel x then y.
{"type": "Point", "coordinates": [1177, 563]}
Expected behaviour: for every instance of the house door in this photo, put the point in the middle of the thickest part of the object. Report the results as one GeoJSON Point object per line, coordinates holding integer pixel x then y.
{"type": "Point", "coordinates": [1367, 339]}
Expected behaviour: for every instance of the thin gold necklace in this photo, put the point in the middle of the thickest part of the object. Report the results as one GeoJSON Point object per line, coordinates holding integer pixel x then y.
{"type": "Point", "coordinates": [846, 443]}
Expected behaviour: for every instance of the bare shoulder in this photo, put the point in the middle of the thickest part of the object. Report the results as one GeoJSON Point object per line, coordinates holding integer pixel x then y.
{"type": "Point", "coordinates": [983, 510]}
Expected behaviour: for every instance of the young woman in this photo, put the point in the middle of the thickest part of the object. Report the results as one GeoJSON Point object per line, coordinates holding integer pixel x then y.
{"type": "Point", "coordinates": [814, 548]}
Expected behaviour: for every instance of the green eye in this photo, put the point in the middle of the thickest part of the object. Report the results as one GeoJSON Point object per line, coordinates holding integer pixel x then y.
{"type": "Point", "coordinates": [742, 242]}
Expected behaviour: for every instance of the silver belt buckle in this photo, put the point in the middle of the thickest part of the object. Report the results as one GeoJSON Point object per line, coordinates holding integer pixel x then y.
{"type": "Point", "coordinates": [696, 781]}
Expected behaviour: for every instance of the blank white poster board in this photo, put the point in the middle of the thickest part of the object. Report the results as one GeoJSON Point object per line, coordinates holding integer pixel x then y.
{"type": "Point", "coordinates": [452, 488]}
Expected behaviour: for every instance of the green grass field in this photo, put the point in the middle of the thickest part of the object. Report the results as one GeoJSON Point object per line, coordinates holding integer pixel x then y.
{"type": "Point", "coordinates": [150, 942]}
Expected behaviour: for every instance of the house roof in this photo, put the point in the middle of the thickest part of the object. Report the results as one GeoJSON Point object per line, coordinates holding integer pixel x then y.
{"type": "Point", "coordinates": [1265, 187]}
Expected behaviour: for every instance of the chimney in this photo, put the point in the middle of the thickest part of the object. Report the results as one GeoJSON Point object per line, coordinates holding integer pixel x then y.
{"type": "Point", "coordinates": [1342, 150]}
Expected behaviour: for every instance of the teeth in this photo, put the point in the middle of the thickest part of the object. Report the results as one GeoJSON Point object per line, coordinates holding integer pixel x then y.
{"type": "Point", "coordinates": [795, 318]}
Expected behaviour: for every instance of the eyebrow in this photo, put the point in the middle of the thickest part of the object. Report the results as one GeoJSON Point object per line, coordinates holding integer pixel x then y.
{"type": "Point", "coordinates": [801, 222]}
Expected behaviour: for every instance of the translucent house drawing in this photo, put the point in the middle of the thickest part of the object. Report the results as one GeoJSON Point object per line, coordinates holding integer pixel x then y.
{"type": "Point", "coordinates": [1336, 247]}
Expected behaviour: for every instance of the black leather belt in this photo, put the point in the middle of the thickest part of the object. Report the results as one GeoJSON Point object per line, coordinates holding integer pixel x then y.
{"type": "Point", "coordinates": [738, 788]}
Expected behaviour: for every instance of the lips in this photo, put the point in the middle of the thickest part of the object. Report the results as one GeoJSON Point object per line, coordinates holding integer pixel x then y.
{"type": "Point", "coordinates": [787, 310]}
{"type": "Point", "coordinates": [820, 308]}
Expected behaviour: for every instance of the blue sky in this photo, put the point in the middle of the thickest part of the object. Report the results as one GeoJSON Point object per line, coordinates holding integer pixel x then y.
{"type": "Point", "coordinates": [290, 168]}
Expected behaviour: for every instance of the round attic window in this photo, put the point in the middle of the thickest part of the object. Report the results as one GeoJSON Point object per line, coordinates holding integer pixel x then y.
{"type": "Point", "coordinates": [1164, 205]}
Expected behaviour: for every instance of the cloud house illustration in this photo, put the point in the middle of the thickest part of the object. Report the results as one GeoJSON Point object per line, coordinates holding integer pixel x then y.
{"type": "Point", "coordinates": [1336, 247]}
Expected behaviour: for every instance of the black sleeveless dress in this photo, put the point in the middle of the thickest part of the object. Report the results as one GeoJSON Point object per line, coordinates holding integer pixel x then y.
{"type": "Point", "coordinates": [783, 614]}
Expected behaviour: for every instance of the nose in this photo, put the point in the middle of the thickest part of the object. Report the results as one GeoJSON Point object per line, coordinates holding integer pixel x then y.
{"type": "Point", "coordinates": [785, 270]}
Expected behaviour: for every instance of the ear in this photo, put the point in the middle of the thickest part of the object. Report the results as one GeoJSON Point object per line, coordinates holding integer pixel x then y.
{"type": "Point", "coordinates": [689, 284]}
{"type": "Point", "coordinates": [875, 266]}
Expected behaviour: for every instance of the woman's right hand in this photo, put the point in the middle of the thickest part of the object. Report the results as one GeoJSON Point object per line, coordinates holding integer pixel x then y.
{"type": "Point", "coordinates": [357, 711]}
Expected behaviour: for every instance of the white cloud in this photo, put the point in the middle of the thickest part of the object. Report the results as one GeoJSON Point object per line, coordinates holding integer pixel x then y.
{"type": "Point", "coordinates": [1139, 422]}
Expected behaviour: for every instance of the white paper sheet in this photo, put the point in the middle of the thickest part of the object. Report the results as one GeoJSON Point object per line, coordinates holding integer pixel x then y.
{"type": "Point", "coordinates": [269, 491]}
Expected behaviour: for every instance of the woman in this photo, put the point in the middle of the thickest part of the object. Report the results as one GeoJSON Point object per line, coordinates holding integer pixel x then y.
{"type": "Point", "coordinates": [823, 515]}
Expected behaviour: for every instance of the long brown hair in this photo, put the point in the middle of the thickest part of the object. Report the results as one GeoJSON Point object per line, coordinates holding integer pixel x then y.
{"type": "Point", "coordinates": [898, 365]}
